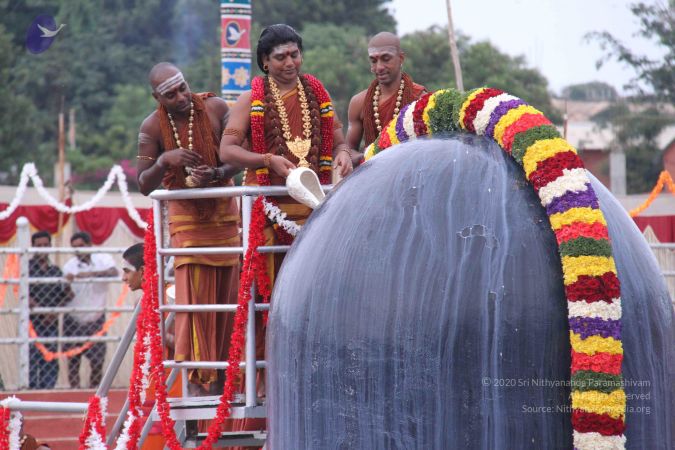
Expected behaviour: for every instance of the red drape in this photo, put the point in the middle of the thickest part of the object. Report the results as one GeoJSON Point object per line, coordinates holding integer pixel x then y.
{"type": "Point", "coordinates": [42, 217]}
{"type": "Point", "coordinates": [663, 226]}
{"type": "Point", "coordinates": [99, 222]}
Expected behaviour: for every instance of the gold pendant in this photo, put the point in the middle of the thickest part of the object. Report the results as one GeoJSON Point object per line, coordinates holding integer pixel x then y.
{"type": "Point", "coordinates": [190, 182]}
{"type": "Point", "coordinates": [189, 179]}
{"type": "Point", "coordinates": [300, 149]}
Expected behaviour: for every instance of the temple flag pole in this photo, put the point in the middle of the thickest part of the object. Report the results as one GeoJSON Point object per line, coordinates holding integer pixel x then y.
{"type": "Point", "coordinates": [453, 49]}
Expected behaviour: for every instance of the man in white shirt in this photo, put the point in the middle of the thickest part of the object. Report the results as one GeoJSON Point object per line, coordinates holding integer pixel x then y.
{"type": "Point", "coordinates": [89, 294]}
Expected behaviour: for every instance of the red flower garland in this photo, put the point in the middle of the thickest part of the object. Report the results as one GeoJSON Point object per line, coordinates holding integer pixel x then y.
{"type": "Point", "coordinates": [257, 117]}
{"type": "Point", "coordinates": [254, 270]}
{"type": "Point", "coordinates": [94, 420]}
{"type": "Point", "coordinates": [258, 124]}
{"type": "Point", "coordinates": [4, 427]}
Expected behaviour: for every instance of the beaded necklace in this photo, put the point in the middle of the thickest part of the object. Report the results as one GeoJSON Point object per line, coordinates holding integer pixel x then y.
{"type": "Point", "coordinates": [376, 106]}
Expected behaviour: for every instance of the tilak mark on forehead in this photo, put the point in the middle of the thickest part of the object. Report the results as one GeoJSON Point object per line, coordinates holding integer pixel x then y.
{"type": "Point", "coordinates": [168, 84]}
{"type": "Point", "coordinates": [284, 49]}
{"type": "Point", "coordinates": [387, 49]}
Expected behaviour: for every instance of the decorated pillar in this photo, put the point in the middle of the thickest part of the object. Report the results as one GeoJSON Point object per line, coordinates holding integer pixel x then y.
{"type": "Point", "coordinates": [235, 44]}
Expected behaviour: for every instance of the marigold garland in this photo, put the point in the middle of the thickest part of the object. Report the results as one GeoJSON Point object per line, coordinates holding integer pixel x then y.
{"type": "Point", "coordinates": [664, 180]}
{"type": "Point", "coordinates": [592, 287]}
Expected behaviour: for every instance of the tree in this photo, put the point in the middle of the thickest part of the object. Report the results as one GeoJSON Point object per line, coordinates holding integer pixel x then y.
{"type": "Point", "coordinates": [483, 64]}
{"type": "Point", "coordinates": [591, 91]}
{"type": "Point", "coordinates": [338, 56]}
{"type": "Point", "coordinates": [657, 24]}
{"type": "Point", "coordinates": [637, 122]}
{"type": "Point", "coordinates": [370, 15]}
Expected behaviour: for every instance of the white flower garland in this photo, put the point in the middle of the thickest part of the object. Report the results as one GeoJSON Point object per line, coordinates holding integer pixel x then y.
{"type": "Point", "coordinates": [14, 423]}
{"type": "Point", "coordinates": [29, 172]}
{"type": "Point", "coordinates": [95, 441]}
{"type": "Point", "coordinates": [145, 369]}
{"type": "Point", "coordinates": [278, 216]}
{"type": "Point", "coordinates": [123, 439]}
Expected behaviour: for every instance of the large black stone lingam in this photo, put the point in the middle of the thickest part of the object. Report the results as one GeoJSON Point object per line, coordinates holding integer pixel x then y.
{"type": "Point", "coordinates": [422, 307]}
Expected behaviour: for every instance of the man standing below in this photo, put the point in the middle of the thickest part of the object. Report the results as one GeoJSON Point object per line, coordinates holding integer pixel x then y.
{"type": "Point", "coordinates": [43, 373]}
{"type": "Point", "coordinates": [87, 294]}
{"type": "Point", "coordinates": [370, 110]}
{"type": "Point", "coordinates": [133, 267]}
{"type": "Point", "coordinates": [178, 147]}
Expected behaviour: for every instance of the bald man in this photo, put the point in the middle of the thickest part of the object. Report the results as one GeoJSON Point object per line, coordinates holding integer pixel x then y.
{"type": "Point", "coordinates": [178, 147]}
{"type": "Point", "coordinates": [370, 110]}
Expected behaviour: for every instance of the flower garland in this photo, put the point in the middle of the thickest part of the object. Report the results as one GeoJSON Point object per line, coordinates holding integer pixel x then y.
{"type": "Point", "coordinates": [664, 180]}
{"type": "Point", "coordinates": [29, 172]}
{"type": "Point", "coordinates": [131, 431]}
{"type": "Point", "coordinates": [592, 287]}
{"type": "Point", "coordinates": [286, 228]}
{"type": "Point", "coordinates": [10, 425]}
{"type": "Point", "coordinates": [254, 270]}
{"type": "Point", "coordinates": [276, 215]}
{"type": "Point", "coordinates": [93, 433]}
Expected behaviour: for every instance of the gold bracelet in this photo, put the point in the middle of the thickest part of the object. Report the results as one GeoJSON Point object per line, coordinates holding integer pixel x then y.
{"type": "Point", "coordinates": [146, 158]}
{"type": "Point", "coordinates": [267, 159]}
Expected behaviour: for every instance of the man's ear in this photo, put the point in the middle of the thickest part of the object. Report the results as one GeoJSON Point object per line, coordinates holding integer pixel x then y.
{"type": "Point", "coordinates": [155, 95]}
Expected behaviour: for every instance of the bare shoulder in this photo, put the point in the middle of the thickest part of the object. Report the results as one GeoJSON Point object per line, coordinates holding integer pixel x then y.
{"type": "Point", "coordinates": [356, 105]}
{"type": "Point", "coordinates": [150, 125]}
{"type": "Point", "coordinates": [216, 104]}
{"type": "Point", "coordinates": [359, 98]}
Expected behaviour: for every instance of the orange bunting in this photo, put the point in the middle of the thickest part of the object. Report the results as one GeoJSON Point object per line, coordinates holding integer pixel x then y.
{"type": "Point", "coordinates": [11, 271]}
{"type": "Point", "coordinates": [664, 179]}
{"type": "Point", "coordinates": [50, 356]}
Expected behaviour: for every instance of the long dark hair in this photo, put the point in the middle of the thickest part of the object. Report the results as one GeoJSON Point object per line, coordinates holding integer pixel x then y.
{"type": "Point", "coordinates": [275, 35]}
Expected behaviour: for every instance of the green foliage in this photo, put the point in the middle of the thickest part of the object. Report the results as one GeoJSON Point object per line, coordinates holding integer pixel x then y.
{"type": "Point", "coordinates": [98, 65]}
{"type": "Point", "coordinates": [370, 15]}
{"type": "Point", "coordinates": [482, 63]}
{"type": "Point", "coordinates": [338, 56]}
{"type": "Point", "coordinates": [657, 24]}
{"type": "Point", "coordinates": [591, 91]}
{"type": "Point", "coordinates": [637, 124]}
{"type": "Point", "coordinates": [636, 129]}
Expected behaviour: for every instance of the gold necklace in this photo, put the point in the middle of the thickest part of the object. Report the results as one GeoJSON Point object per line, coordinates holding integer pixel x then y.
{"type": "Point", "coordinates": [190, 123]}
{"type": "Point", "coordinates": [189, 180]}
{"type": "Point", "coordinates": [376, 104]}
{"type": "Point", "coordinates": [299, 147]}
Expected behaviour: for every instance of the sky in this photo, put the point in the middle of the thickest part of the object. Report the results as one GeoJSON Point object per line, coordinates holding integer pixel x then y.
{"type": "Point", "coordinates": [549, 33]}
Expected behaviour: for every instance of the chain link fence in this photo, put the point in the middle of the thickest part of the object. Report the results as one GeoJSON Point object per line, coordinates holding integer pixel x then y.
{"type": "Point", "coordinates": [61, 315]}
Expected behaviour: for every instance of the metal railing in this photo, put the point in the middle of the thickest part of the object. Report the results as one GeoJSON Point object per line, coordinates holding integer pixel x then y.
{"type": "Point", "coordinates": [23, 311]}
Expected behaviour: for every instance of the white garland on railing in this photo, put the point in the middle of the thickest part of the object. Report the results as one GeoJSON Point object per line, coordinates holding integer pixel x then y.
{"type": "Point", "coordinates": [29, 172]}
{"type": "Point", "coordinates": [145, 369]}
{"type": "Point", "coordinates": [95, 441]}
{"type": "Point", "coordinates": [123, 439]}
{"type": "Point", "coordinates": [277, 215]}
{"type": "Point", "coordinates": [14, 423]}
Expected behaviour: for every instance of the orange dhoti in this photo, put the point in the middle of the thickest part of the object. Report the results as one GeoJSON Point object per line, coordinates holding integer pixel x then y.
{"type": "Point", "coordinates": [204, 280]}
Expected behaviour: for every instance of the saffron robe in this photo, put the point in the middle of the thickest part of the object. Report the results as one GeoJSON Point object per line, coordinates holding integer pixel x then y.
{"type": "Point", "coordinates": [202, 279]}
